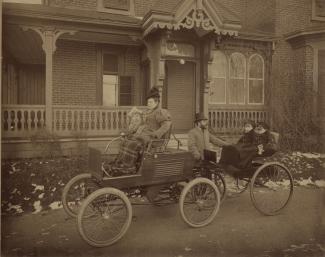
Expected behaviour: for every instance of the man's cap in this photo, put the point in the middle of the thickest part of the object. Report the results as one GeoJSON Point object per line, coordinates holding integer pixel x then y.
{"type": "Point", "coordinates": [200, 116]}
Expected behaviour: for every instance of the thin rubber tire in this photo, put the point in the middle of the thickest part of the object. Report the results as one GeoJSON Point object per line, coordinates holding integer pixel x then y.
{"type": "Point", "coordinates": [89, 203]}
{"type": "Point", "coordinates": [68, 187]}
{"type": "Point", "coordinates": [187, 190]}
{"type": "Point", "coordinates": [255, 181]}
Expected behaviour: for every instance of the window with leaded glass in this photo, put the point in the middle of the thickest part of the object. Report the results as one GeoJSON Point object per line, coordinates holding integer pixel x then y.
{"type": "Point", "coordinates": [237, 74]}
{"type": "Point", "coordinates": [255, 80]}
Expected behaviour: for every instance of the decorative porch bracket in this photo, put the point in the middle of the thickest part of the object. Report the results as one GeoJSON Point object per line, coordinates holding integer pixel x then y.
{"type": "Point", "coordinates": [49, 36]}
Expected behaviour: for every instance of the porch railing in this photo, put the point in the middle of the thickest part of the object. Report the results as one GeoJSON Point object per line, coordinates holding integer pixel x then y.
{"type": "Point", "coordinates": [230, 121]}
{"type": "Point", "coordinates": [22, 120]}
{"type": "Point", "coordinates": [25, 120]}
{"type": "Point", "coordinates": [89, 120]}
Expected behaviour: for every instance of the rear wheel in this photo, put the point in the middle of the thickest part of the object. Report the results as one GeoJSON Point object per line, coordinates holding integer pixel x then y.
{"type": "Point", "coordinates": [199, 202]}
{"type": "Point", "coordinates": [271, 188]}
{"type": "Point", "coordinates": [104, 217]}
{"type": "Point", "coordinates": [75, 191]}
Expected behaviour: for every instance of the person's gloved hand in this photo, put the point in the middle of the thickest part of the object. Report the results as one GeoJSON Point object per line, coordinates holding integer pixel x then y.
{"type": "Point", "coordinates": [260, 149]}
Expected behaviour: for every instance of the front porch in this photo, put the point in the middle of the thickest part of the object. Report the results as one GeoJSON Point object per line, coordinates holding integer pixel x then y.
{"type": "Point", "coordinates": [23, 127]}
{"type": "Point", "coordinates": [79, 80]}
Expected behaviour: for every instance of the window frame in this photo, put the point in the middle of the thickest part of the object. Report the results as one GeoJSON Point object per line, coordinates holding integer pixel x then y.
{"type": "Point", "coordinates": [314, 16]}
{"type": "Point", "coordinates": [244, 78]}
{"type": "Point", "coordinates": [119, 75]}
{"type": "Point", "coordinates": [129, 12]}
{"type": "Point", "coordinates": [249, 79]}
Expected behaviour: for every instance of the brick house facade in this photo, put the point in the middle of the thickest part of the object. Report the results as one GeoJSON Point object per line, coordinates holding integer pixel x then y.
{"type": "Point", "coordinates": [86, 62]}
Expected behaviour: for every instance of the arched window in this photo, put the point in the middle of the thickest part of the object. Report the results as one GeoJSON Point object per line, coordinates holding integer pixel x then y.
{"type": "Point", "coordinates": [237, 71]}
{"type": "Point", "coordinates": [218, 71]}
{"type": "Point", "coordinates": [255, 79]}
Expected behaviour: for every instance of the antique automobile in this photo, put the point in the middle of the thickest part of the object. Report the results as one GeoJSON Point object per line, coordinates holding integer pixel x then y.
{"type": "Point", "coordinates": [102, 205]}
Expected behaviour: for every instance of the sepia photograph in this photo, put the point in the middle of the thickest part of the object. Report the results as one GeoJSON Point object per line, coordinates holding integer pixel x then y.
{"type": "Point", "coordinates": [162, 128]}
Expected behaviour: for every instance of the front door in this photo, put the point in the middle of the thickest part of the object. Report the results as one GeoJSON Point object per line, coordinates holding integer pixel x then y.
{"type": "Point", "coordinates": [180, 94]}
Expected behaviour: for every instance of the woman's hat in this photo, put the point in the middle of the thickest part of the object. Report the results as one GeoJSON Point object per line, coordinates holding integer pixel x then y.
{"type": "Point", "coordinates": [251, 122]}
{"type": "Point", "coordinates": [262, 124]}
{"type": "Point", "coordinates": [200, 116]}
{"type": "Point", "coordinates": [153, 93]}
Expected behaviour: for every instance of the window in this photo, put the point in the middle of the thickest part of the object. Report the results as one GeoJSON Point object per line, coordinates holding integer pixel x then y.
{"type": "Point", "coordinates": [237, 72]}
{"type": "Point", "coordinates": [218, 84]}
{"type": "Point", "coordinates": [232, 83]}
{"type": "Point", "coordinates": [318, 10]}
{"type": "Point", "coordinates": [124, 7]}
{"type": "Point", "coordinates": [117, 90]}
{"type": "Point", "coordinates": [256, 80]}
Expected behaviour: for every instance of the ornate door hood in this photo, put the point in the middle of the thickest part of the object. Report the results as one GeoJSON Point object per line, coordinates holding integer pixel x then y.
{"type": "Point", "coordinates": [203, 16]}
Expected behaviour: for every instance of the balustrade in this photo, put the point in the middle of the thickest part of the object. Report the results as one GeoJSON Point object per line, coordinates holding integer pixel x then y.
{"type": "Point", "coordinates": [231, 121]}
{"type": "Point", "coordinates": [88, 121]}
{"type": "Point", "coordinates": [22, 120]}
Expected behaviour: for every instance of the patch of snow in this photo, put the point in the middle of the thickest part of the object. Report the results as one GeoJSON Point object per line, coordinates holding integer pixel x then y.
{"type": "Point", "coordinates": [40, 196]}
{"type": "Point", "coordinates": [17, 208]}
{"type": "Point", "coordinates": [187, 249]}
{"type": "Point", "coordinates": [37, 207]}
{"type": "Point", "coordinates": [56, 205]}
{"type": "Point", "coordinates": [14, 191]}
{"type": "Point", "coordinates": [320, 183]}
{"type": "Point", "coordinates": [37, 187]}
{"type": "Point", "coordinates": [299, 154]}
{"type": "Point", "coordinates": [312, 155]}
{"type": "Point", "coordinates": [305, 182]}
{"type": "Point", "coordinates": [32, 174]}
{"type": "Point", "coordinates": [26, 198]}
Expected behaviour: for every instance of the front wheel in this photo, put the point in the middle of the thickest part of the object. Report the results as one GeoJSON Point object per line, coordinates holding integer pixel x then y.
{"type": "Point", "coordinates": [271, 188]}
{"type": "Point", "coordinates": [75, 191]}
{"type": "Point", "coordinates": [199, 202]}
{"type": "Point", "coordinates": [104, 217]}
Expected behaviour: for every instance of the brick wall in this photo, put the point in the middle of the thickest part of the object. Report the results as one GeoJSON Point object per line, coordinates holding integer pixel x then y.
{"type": "Point", "coordinates": [141, 7]}
{"type": "Point", "coordinates": [292, 65]}
{"type": "Point", "coordinates": [74, 73]}
{"type": "Point", "coordinates": [80, 4]}
{"type": "Point", "coordinates": [293, 15]}
{"type": "Point", "coordinates": [254, 14]}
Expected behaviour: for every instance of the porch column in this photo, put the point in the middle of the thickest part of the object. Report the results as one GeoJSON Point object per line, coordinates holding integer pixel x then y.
{"type": "Point", "coordinates": [49, 36]}
{"type": "Point", "coordinates": [161, 79]}
{"type": "Point", "coordinates": [208, 57]}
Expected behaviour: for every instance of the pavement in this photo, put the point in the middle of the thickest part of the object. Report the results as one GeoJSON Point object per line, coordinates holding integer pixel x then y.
{"type": "Point", "coordinates": [238, 230]}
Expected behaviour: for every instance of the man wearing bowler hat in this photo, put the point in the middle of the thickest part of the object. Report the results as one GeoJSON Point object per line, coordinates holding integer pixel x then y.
{"type": "Point", "coordinates": [199, 137]}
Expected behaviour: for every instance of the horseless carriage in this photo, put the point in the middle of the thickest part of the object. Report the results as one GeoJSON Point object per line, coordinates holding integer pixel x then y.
{"type": "Point", "coordinates": [103, 209]}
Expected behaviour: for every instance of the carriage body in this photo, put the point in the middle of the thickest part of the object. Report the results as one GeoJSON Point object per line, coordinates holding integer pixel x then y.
{"type": "Point", "coordinates": [156, 168]}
